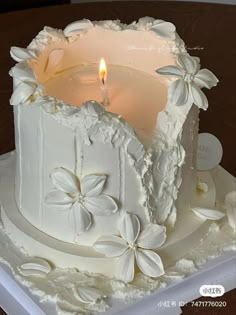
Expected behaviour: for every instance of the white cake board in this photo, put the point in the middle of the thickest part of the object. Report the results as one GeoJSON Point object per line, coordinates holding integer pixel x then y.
{"type": "Point", "coordinates": [17, 299]}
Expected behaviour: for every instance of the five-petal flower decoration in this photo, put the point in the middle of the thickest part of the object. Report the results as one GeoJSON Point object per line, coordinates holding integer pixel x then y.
{"type": "Point", "coordinates": [134, 244]}
{"type": "Point", "coordinates": [28, 89]}
{"type": "Point", "coordinates": [190, 80]}
{"type": "Point", "coordinates": [82, 198]}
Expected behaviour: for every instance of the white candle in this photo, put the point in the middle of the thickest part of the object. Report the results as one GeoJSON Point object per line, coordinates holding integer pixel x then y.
{"type": "Point", "coordinates": [134, 94]}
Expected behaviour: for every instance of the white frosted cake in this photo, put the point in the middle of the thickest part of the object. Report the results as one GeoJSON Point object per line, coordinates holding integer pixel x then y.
{"type": "Point", "coordinates": [105, 162]}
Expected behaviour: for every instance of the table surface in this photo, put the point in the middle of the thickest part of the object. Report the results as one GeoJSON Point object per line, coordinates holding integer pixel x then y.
{"type": "Point", "coordinates": [209, 33]}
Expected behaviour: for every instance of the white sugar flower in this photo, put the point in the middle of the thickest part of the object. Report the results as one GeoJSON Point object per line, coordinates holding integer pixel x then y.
{"type": "Point", "coordinates": [21, 54]}
{"type": "Point", "coordinates": [28, 90]}
{"type": "Point", "coordinates": [190, 80]}
{"type": "Point", "coordinates": [132, 245]}
{"type": "Point", "coordinates": [164, 29]}
{"type": "Point", "coordinates": [82, 198]}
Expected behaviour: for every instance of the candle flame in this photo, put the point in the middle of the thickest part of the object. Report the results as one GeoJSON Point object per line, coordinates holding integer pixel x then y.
{"type": "Point", "coordinates": [103, 70]}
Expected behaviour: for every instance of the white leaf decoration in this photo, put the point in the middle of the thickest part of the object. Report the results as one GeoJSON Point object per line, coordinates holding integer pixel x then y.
{"type": "Point", "coordinates": [87, 295]}
{"type": "Point", "coordinates": [149, 263]}
{"type": "Point", "coordinates": [80, 218]}
{"type": "Point", "coordinates": [206, 78]}
{"type": "Point", "coordinates": [21, 54]}
{"type": "Point", "coordinates": [54, 60]}
{"type": "Point", "coordinates": [100, 205]}
{"type": "Point", "coordinates": [152, 236]}
{"type": "Point", "coordinates": [110, 245]}
{"type": "Point", "coordinates": [35, 267]}
{"type": "Point", "coordinates": [125, 266]}
{"type": "Point", "coordinates": [92, 185]}
{"type": "Point", "coordinates": [58, 198]}
{"type": "Point", "coordinates": [77, 27]}
{"type": "Point", "coordinates": [230, 205]}
{"type": "Point", "coordinates": [64, 180]}
{"type": "Point", "coordinates": [129, 227]}
{"type": "Point", "coordinates": [199, 98]}
{"type": "Point", "coordinates": [21, 93]}
{"type": "Point", "coordinates": [164, 29]}
{"type": "Point", "coordinates": [208, 214]}
{"type": "Point", "coordinates": [23, 73]}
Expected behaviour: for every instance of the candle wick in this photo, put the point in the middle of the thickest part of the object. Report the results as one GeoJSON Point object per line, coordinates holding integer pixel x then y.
{"type": "Point", "coordinates": [103, 81]}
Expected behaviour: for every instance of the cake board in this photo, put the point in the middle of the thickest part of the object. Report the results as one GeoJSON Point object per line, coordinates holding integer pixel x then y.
{"type": "Point", "coordinates": [16, 299]}
{"type": "Point", "coordinates": [218, 270]}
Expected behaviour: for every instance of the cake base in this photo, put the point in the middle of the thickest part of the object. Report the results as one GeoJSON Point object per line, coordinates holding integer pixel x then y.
{"type": "Point", "coordinates": [187, 232]}
{"type": "Point", "coordinates": [208, 240]}
{"type": "Point", "coordinates": [16, 298]}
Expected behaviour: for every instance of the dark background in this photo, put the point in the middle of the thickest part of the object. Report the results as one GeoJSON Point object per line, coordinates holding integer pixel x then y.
{"type": "Point", "coordinates": [208, 29]}
{"type": "Point", "coordinates": [10, 5]}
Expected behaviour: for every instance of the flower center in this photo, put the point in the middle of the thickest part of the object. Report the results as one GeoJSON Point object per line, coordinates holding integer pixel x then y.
{"type": "Point", "coordinates": [188, 77]}
{"type": "Point", "coordinates": [80, 198]}
{"type": "Point", "coordinates": [133, 246]}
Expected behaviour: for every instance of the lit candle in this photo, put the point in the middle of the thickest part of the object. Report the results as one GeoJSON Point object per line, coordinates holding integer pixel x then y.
{"type": "Point", "coordinates": [103, 78]}
{"type": "Point", "coordinates": [133, 93]}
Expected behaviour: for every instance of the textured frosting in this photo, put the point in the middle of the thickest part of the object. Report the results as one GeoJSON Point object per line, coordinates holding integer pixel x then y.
{"type": "Point", "coordinates": [144, 181]}
{"type": "Point", "coordinates": [70, 290]}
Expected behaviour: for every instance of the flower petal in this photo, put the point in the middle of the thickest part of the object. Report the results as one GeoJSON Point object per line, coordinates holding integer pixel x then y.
{"type": "Point", "coordinates": [152, 236]}
{"type": "Point", "coordinates": [164, 29]}
{"type": "Point", "coordinates": [125, 266]}
{"type": "Point", "coordinates": [21, 93]}
{"type": "Point", "coordinates": [22, 72]}
{"type": "Point", "coordinates": [58, 198]}
{"type": "Point", "coordinates": [92, 185]}
{"type": "Point", "coordinates": [129, 227]}
{"type": "Point", "coordinates": [170, 71]}
{"type": "Point", "coordinates": [178, 92]}
{"type": "Point", "coordinates": [110, 245]}
{"type": "Point", "coordinates": [65, 181]}
{"type": "Point", "coordinates": [198, 97]}
{"type": "Point", "coordinates": [34, 266]}
{"type": "Point", "coordinates": [188, 63]}
{"type": "Point", "coordinates": [208, 214]}
{"type": "Point", "coordinates": [80, 218]}
{"type": "Point", "coordinates": [149, 263]}
{"type": "Point", "coordinates": [21, 54]}
{"type": "Point", "coordinates": [205, 78]}
{"type": "Point", "coordinates": [101, 205]}
{"type": "Point", "coordinates": [77, 27]}
{"type": "Point", "coordinates": [87, 295]}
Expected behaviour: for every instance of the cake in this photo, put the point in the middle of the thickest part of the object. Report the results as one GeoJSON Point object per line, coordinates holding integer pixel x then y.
{"type": "Point", "coordinates": [104, 175]}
